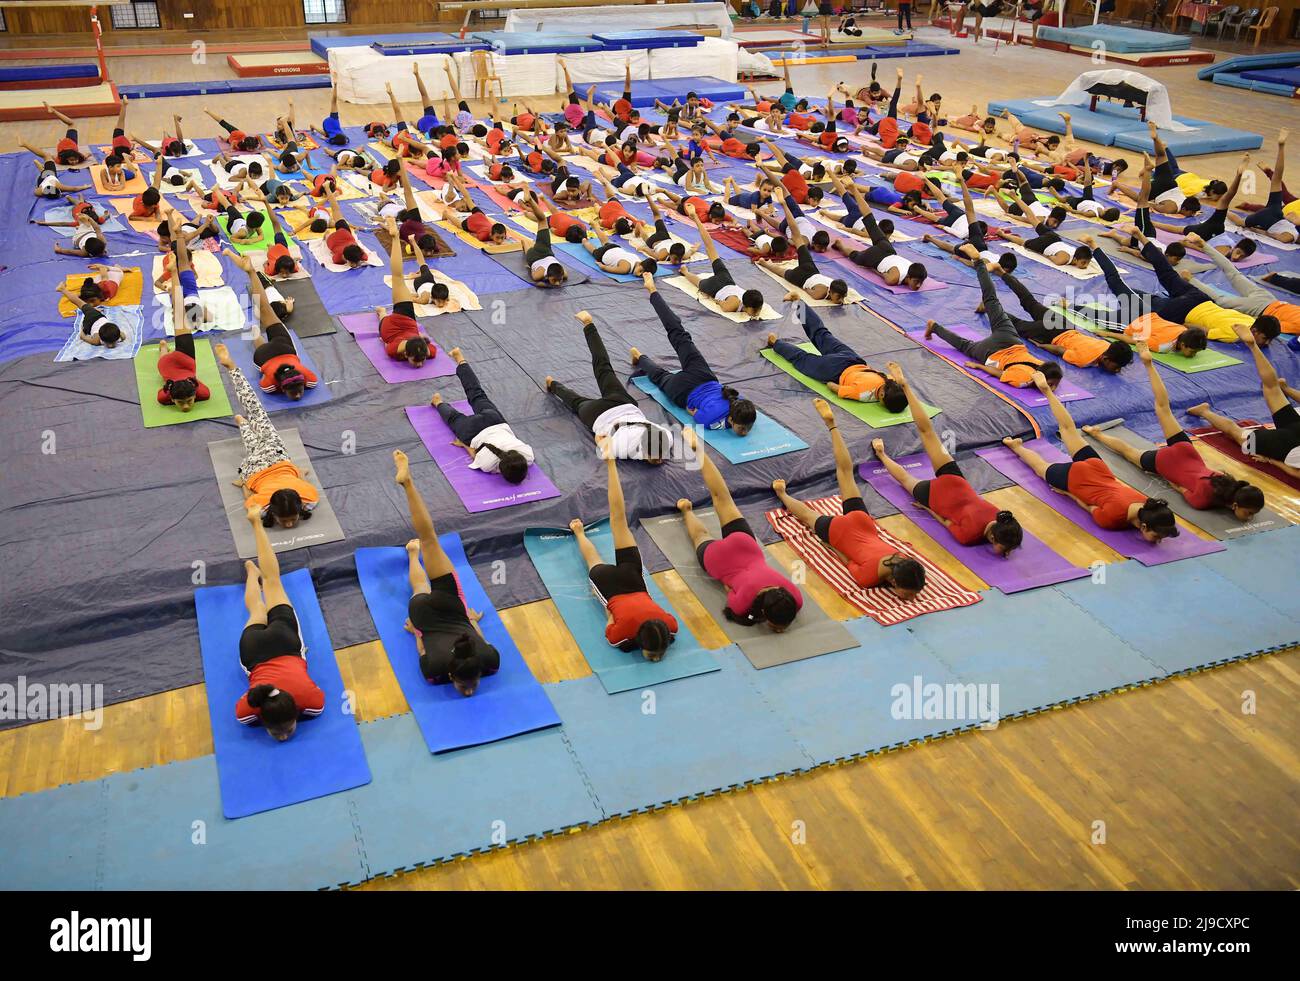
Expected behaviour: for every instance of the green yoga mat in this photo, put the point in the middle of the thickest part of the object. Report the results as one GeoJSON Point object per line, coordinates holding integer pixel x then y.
{"type": "Point", "coordinates": [260, 244]}
{"type": "Point", "coordinates": [1205, 360]}
{"type": "Point", "coordinates": [872, 413]}
{"type": "Point", "coordinates": [148, 381]}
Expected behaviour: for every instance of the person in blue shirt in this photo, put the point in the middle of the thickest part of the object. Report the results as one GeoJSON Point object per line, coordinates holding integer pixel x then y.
{"type": "Point", "coordinates": [331, 128]}
{"type": "Point", "coordinates": [695, 387]}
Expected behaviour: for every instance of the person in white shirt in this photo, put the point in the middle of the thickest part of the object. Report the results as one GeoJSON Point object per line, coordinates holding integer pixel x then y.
{"type": "Point", "coordinates": [487, 437]}
{"type": "Point", "coordinates": [615, 413]}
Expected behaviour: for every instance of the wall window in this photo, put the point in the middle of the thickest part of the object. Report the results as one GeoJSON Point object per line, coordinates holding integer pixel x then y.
{"type": "Point", "coordinates": [138, 15]}
{"type": "Point", "coordinates": [3, 25]}
{"type": "Point", "coordinates": [325, 11]}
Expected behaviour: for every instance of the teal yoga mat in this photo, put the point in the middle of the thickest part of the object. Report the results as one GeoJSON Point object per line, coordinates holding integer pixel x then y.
{"type": "Point", "coordinates": [768, 438]}
{"type": "Point", "coordinates": [560, 565]}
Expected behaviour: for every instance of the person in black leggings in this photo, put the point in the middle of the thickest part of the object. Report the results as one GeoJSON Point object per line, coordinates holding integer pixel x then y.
{"type": "Point", "coordinates": [614, 413]}
{"type": "Point", "coordinates": [485, 435]}
{"type": "Point", "coordinates": [545, 270]}
{"type": "Point", "coordinates": [1270, 220]}
{"type": "Point", "coordinates": [1046, 327]}
{"type": "Point", "coordinates": [694, 387]}
{"type": "Point", "coordinates": [912, 275]}
{"type": "Point", "coordinates": [1002, 335]}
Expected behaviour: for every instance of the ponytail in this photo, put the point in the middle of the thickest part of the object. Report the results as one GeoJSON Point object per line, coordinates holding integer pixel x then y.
{"type": "Point", "coordinates": [1156, 516]}
{"type": "Point", "coordinates": [740, 412]}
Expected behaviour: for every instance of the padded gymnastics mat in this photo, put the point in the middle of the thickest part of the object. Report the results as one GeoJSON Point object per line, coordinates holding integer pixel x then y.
{"type": "Point", "coordinates": [506, 704]}
{"type": "Point", "coordinates": [324, 756]}
{"type": "Point", "coordinates": [1032, 565]}
{"type": "Point", "coordinates": [812, 633]}
{"type": "Point", "coordinates": [555, 556]}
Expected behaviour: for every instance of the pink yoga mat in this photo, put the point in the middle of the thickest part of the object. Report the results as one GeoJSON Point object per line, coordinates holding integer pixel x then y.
{"type": "Point", "coordinates": [874, 278]}
{"type": "Point", "coordinates": [1257, 258]}
{"type": "Point", "coordinates": [477, 490]}
{"type": "Point", "coordinates": [364, 328]}
{"type": "Point", "coordinates": [1067, 391]}
{"type": "Point", "coordinates": [1032, 565]}
{"type": "Point", "coordinates": [1129, 544]}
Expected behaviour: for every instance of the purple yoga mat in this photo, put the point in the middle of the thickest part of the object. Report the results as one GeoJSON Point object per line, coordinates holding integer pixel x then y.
{"type": "Point", "coordinates": [1067, 391]}
{"type": "Point", "coordinates": [874, 278]}
{"type": "Point", "coordinates": [478, 491]}
{"type": "Point", "coordinates": [364, 328]}
{"type": "Point", "coordinates": [1032, 565]}
{"type": "Point", "coordinates": [1129, 544]}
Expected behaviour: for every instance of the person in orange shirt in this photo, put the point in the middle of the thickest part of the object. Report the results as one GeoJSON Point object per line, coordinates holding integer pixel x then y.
{"type": "Point", "coordinates": [274, 351]}
{"type": "Point", "coordinates": [1001, 354]}
{"type": "Point", "coordinates": [1047, 328]}
{"type": "Point", "coordinates": [271, 482]}
{"type": "Point", "coordinates": [271, 648]}
{"type": "Point", "coordinates": [853, 533]}
{"type": "Point", "coordinates": [948, 496]}
{"type": "Point", "coordinates": [633, 620]}
{"type": "Point", "coordinates": [1087, 480]}
{"type": "Point", "coordinates": [840, 368]}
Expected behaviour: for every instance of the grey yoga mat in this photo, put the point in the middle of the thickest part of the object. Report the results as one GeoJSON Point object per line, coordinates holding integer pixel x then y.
{"type": "Point", "coordinates": [309, 318]}
{"type": "Point", "coordinates": [322, 527]}
{"type": "Point", "coordinates": [1220, 522]}
{"type": "Point", "coordinates": [812, 633]}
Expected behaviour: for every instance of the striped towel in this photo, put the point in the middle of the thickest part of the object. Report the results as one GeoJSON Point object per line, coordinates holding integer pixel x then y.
{"type": "Point", "coordinates": [882, 605]}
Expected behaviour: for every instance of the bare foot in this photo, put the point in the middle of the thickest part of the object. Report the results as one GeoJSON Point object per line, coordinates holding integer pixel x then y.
{"type": "Point", "coordinates": [240, 420]}
{"type": "Point", "coordinates": [878, 447]}
{"type": "Point", "coordinates": [1198, 410]}
{"type": "Point", "coordinates": [549, 382]}
{"type": "Point", "coordinates": [1012, 441]}
{"type": "Point", "coordinates": [413, 546]}
{"type": "Point", "coordinates": [223, 356]}
{"type": "Point", "coordinates": [636, 356]}
{"type": "Point", "coordinates": [689, 438]}
{"type": "Point", "coordinates": [779, 487]}
{"type": "Point", "coordinates": [253, 512]}
{"type": "Point", "coordinates": [824, 410]}
{"type": "Point", "coordinates": [771, 340]}
{"type": "Point", "coordinates": [403, 465]}
{"type": "Point", "coordinates": [436, 400]}
{"type": "Point", "coordinates": [1090, 429]}
{"type": "Point", "coordinates": [576, 526]}
{"type": "Point", "coordinates": [684, 505]}
{"type": "Point", "coordinates": [930, 325]}
{"type": "Point", "coordinates": [456, 356]}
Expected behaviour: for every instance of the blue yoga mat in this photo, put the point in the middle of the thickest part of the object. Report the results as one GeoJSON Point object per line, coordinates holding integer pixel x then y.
{"type": "Point", "coordinates": [1184, 615]}
{"type": "Point", "coordinates": [767, 438]}
{"type": "Point", "coordinates": [560, 565]}
{"type": "Point", "coordinates": [506, 704]}
{"type": "Point", "coordinates": [257, 773]}
{"type": "Point", "coordinates": [713, 734]}
{"type": "Point", "coordinates": [241, 352]}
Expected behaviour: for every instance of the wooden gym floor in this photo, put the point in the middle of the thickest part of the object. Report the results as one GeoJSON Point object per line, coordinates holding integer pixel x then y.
{"type": "Point", "coordinates": [1193, 792]}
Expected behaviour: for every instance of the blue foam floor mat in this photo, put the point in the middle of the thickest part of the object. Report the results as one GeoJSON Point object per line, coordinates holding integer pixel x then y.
{"type": "Point", "coordinates": [708, 735]}
{"type": "Point", "coordinates": [646, 91]}
{"type": "Point", "coordinates": [1187, 612]}
{"type": "Point", "coordinates": [162, 827]}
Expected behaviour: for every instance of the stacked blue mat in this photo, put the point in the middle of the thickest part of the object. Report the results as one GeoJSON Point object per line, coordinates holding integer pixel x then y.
{"type": "Point", "coordinates": [910, 49]}
{"type": "Point", "coordinates": [46, 73]}
{"type": "Point", "coordinates": [646, 91]}
{"type": "Point", "coordinates": [716, 732]}
{"type": "Point", "coordinates": [1125, 40]}
{"type": "Point", "coordinates": [224, 86]}
{"type": "Point", "coordinates": [1274, 74]}
{"type": "Point", "coordinates": [1113, 125]}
